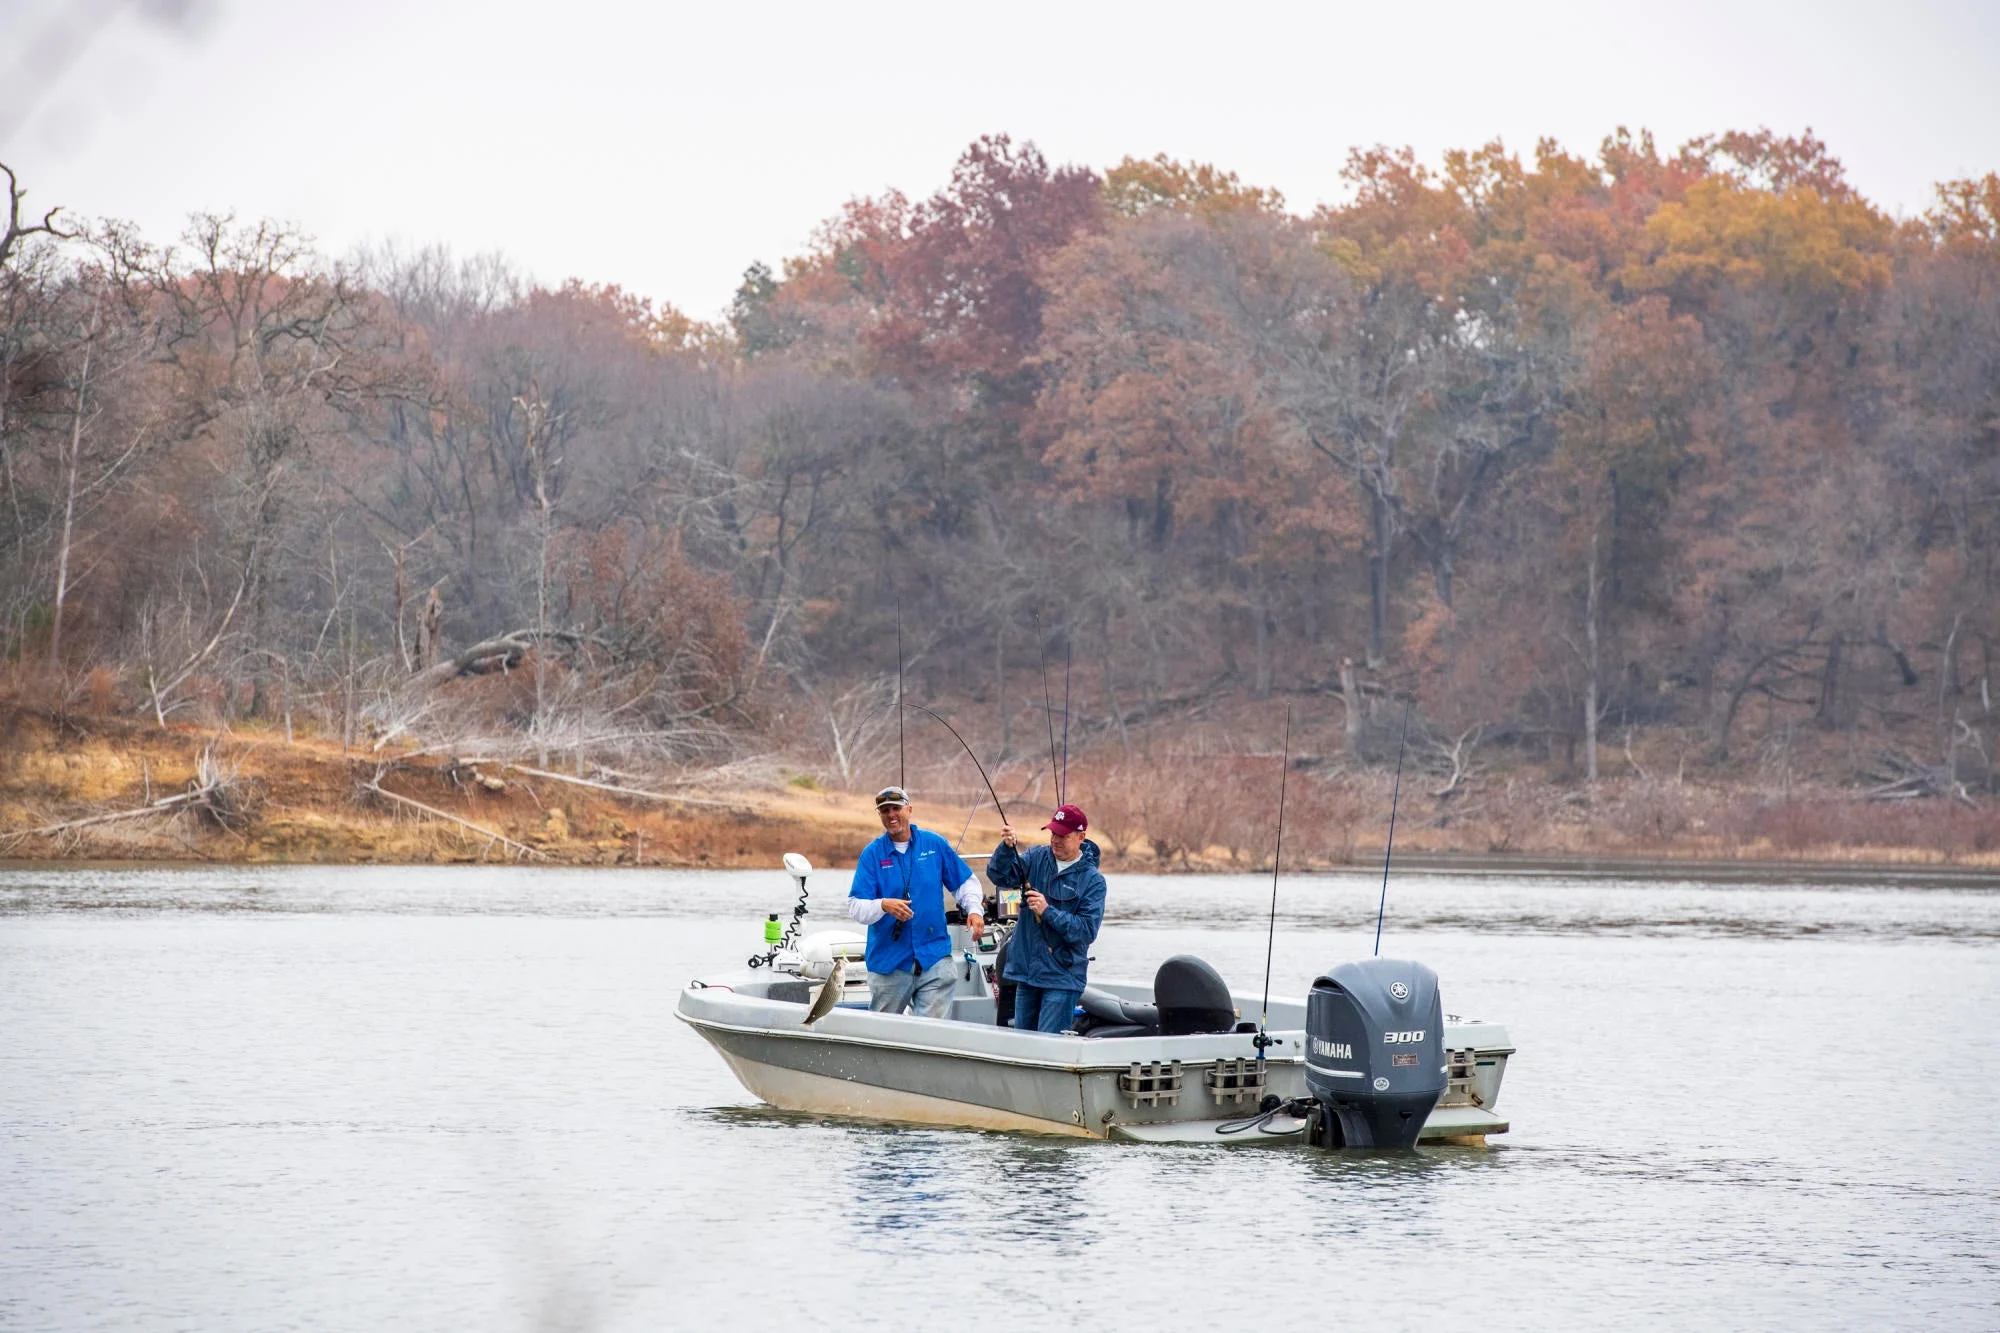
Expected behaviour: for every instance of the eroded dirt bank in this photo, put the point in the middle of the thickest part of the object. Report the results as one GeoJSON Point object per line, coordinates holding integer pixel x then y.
{"type": "Point", "coordinates": [306, 801]}
{"type": "Point", "coordinates": [113, 789]}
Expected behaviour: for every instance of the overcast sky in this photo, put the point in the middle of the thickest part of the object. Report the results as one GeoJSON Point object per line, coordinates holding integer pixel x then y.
{"type": "Point", "coordinates": [666, 146]}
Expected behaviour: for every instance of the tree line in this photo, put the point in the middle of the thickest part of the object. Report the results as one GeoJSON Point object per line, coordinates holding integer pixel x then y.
{"type": "Point", "coordinates": [1544, 445]}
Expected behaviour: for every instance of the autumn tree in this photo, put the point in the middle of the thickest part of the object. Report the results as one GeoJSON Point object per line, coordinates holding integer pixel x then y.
{"type": "Point", "coordinates": [1626, 433]}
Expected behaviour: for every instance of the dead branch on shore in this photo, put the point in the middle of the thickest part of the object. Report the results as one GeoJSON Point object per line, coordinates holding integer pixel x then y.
{"type": "Point", "coordinates": [464, 774]}
{"type": "Point", "coordinates": [1454, 761]}
{"type": "Point", "coordinates": [229, 801]}
{"type": "Point", "coordinates": [635, 792]}
{"type": "Point", "coordinates": [1644, 776]}
{"type": "Point", "coordinates": [1899, 777]}
{"type": "Point", "coordinates": [217, 793]}
{"type": "Point", "coordinates": [166, 805]}
{"type": "Point", "coordinates": [502, 652]}
{"type": "Point", "coordinates": [519, 848]}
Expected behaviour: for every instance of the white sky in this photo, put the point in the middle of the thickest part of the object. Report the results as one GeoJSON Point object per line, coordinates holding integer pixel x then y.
{"type": "Point", "coordinates": [665, 146]}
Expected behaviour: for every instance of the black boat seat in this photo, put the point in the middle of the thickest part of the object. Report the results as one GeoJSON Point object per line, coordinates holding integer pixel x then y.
{"type": "Point", "coordinates": [1192, 997]}
{"type": "Point", "coordinates": [1105, 1015]}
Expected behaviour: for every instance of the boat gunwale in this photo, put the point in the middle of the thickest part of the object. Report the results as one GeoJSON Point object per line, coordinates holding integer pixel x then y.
{"type": "Point", "coordinates": [1053, 1062]}
{"type": "Point", "coordinates": [803, 1033]}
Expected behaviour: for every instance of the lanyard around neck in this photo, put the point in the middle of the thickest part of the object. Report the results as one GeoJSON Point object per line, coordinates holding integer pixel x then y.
{"type": "Point", "coordinates": [908, 862]}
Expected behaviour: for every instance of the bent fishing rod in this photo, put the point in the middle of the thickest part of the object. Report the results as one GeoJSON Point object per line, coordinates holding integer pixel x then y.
{"type": "Point", "coordinates": [1062, 784]}
{"type": "Point", "coordinates": [902, 773]}
{"type": "Point", "coordinates": [1048, 706]}
{"type": "Point", "coordinates": [968, 754]}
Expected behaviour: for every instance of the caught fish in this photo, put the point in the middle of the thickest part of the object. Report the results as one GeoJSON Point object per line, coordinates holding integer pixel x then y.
{"type": "Point", "coordinates": [829, 994]}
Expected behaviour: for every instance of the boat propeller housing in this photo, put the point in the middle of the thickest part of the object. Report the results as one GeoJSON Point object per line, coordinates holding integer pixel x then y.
{"type": "Point", "coordinates": [1375, 1061]}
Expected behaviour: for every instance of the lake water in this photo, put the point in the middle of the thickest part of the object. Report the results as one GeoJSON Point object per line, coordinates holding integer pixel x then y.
{"type": "Point", "coordinates": [277, 1098]}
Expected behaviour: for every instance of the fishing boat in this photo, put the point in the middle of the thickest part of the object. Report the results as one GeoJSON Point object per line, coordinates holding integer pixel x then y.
{"type": "Point", "coordinates": [1367, 1059]}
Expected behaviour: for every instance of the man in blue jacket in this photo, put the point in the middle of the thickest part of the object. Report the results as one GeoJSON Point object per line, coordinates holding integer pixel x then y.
{"type": "Point", "coordinates": [1049, 957]}
{"type": "Point", "coordinates": [898, 893]}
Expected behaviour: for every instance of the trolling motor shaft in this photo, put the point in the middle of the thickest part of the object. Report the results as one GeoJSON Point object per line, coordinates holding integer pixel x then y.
{"type": "Point", "coordinates": [798, 867]}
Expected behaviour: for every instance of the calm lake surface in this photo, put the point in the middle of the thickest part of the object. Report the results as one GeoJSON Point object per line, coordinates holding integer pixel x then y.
{"type": "Point", "coordinates": [368, 1098]}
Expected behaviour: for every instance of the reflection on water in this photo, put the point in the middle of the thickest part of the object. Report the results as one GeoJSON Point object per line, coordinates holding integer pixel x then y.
{"type": "Point", "coordinates": [1039, 1192]}
{"type": "Point", "coordinates": [266, 1098]}
{"type": "Point", "coordinates": [901, 1180]}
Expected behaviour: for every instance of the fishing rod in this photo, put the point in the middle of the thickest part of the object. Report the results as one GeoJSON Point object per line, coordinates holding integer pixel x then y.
{"type": "Point", "coordinates": [902, 774]}
{"type": "Point", "coordinates": [1395, 795]}
{"type": "Point", "coordinates": [1263, 1039]}
{"type": "Point", "coordinates": [1063, 787]}
{"type": "Point", "coordinates": [1048, 706]}
{"type": "Point", "coordinates": [969, 755]}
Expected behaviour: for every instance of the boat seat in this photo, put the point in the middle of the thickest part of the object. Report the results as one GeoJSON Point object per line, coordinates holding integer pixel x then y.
{"type": "Point", "coordinates": [1105, 1011]}
{"type": "Point", "coordinates": [1192, 997]}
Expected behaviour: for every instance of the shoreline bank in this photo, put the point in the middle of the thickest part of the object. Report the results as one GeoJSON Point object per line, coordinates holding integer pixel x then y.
{"type": "Point", "coordinates": [109, 791]}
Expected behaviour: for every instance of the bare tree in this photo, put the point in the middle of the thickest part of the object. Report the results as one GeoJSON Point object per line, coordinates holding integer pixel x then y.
{"type": "Point", "coordinates": [16, 230]}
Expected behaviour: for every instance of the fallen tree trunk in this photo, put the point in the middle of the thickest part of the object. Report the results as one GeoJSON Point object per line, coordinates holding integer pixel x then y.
{"type": "Point", "coordinates": [520, 848]}
{"type": "Point", "coordinates": [502, 652]}
{"type": "Point", "coordinates": [166, 805]}
{"type": "Point", "coordinates": [1899, 777]}
{"type": "Point", "coordinates": [637, 792]}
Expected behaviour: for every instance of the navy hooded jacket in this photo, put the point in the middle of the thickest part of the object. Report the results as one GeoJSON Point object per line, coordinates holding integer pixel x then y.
{"type": "Point", "coordinates": [1051, 952]}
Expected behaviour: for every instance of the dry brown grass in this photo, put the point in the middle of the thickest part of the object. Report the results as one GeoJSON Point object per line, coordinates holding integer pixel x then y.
{"type": "Point", "coordinates": [1171, 811]}
{"type": "Point", "coordinates": [305, 805]}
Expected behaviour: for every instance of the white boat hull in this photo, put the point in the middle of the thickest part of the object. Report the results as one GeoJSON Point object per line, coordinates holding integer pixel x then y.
{"type": "Point", "coordinates": [969, 1073]}
{"type": "Point", "coordinates": [821, 1094]}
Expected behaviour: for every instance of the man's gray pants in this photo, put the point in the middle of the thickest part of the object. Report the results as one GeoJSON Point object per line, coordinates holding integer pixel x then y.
{"type": "Point", "coordinates": [926, 994]}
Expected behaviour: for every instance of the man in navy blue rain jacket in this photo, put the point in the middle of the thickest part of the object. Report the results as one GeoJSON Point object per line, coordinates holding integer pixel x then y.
{"type": "Point", "coordinates": [1049, 957]}
{"type": "Point", "coordinates": [898, 893]}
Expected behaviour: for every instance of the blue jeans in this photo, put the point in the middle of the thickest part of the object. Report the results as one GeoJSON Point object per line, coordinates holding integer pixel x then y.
{"type": "Point", "coordinates": [1038, 1010]}
{"type": "Point", "coordinates": [926, 994]}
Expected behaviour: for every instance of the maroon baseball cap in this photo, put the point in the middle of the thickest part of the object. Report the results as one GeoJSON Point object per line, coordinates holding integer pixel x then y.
{"type": "Point", "coordinates": [1068, 819]}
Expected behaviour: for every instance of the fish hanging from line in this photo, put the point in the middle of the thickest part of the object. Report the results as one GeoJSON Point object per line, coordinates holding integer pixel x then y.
{"type": "Point", "coordinates": [829, 994]}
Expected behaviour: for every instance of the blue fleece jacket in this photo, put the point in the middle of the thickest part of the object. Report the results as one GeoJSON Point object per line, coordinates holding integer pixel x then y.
{"type": "Point", "coordinates": [1052, 951]}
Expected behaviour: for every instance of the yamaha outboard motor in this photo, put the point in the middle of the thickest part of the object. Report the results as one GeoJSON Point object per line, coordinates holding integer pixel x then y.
{"type": "Point", "coordinates": [1374, 1053]}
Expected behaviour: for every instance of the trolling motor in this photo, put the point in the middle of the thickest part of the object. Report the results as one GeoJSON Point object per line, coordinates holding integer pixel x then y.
{"type": "Point", "coordinates": [1375, 1062]}
{"type": "Point", "coordinates": [798, 868]}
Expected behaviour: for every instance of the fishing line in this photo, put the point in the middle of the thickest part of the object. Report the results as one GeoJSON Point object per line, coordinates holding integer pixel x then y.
{"type": "Point", "coordinates": [1277, 856]}
{"type": "Point", "coordinates": [968, 824]}
{"type": "Point", "coordinates": [1395, 795]}
{"type": "Point", "coordinates": [1048, 706]}
{"type": "Point", "coordinates": [969, 755]}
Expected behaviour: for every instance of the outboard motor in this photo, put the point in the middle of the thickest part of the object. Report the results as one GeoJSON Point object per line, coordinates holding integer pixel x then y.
{"type": "Point", "coordinates": [1374, 1053]}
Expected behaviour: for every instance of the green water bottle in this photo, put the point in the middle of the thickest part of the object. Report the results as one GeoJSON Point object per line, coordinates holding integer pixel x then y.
{"type": "Point", "coordinates": [773, 932]}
